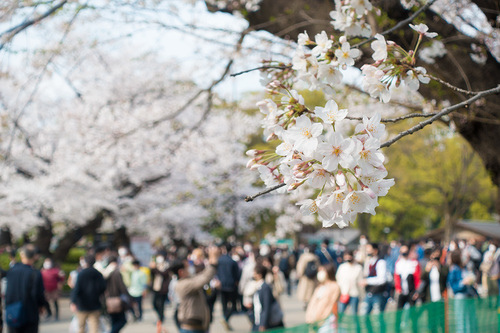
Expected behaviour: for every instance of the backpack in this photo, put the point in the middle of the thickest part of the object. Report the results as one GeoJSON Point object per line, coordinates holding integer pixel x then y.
{"type": "Point", "coordinates": [311, 269]}
{"type": "Point", "coordinates": [284, 265]}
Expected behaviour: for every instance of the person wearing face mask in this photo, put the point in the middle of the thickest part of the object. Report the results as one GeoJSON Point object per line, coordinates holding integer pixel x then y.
{"type": "Point", "coordinates": [86, 296]}
{"type": "Point", "coordinates": [193, 311]}
{"type": "Point", "coordinates": [322, 304]}
{"type": "Point", "coordinates": [406, 282]}
{"type": "Point", "coordinates": [228, 273]}
{"type": "Point", "coordinates": [53, 278]}
{"type": "Point", "coordinates": [431, 289]}
{"type": "Point", "coordinates": [406, 277]}
{"type": "Point", "coordinates": [349, 277]}
{"type": "Point", "coordinates": [160, 279]}
{"type": "Point", "coordinates": [375, 281]}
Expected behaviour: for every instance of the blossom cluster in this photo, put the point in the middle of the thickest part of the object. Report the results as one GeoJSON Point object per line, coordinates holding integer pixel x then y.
{"type": "Point", "coordinates": [346, 171]}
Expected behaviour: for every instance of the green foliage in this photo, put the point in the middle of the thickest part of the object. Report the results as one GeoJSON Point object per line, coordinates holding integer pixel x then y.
{"type": "Point", "coordinates": [4, 261]}
{"type": "Point", "coordinates": [436, 173]}
{"type": "Point", "coordinates": [74, 255]}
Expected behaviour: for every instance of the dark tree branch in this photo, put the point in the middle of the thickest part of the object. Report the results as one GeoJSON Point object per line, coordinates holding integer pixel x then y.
{"type": "Point", "coordinates": [10, 33]}
{"type": "Point", "coordinates": [269, 190]}
{"type": "Point", "coordinates": [440, 114]}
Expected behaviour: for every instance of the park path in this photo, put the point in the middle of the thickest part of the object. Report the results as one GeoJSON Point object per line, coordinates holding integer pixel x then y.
{"type": "Point", "coordinates": [293, 311]}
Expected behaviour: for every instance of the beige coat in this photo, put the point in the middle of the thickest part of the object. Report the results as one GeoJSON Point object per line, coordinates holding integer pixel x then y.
{"type": "Point", "coordinates": [321, 304]}
{"type": "Point", "coordinates": [193, 308]}
{"type": "Point", "coordinates": [306, 286]}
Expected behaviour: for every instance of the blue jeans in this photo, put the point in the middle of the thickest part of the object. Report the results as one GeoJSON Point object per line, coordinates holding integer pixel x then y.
{"type": "Point", "coordinates": [353, 302]}
{"type": "Point", "coordinates": [138, 301]}
{"type": "Point", "coordinates": [372, 299]}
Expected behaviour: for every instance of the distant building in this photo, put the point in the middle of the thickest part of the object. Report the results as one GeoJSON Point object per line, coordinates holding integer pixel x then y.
{"type": "Point", "coordinates": [467, 229]}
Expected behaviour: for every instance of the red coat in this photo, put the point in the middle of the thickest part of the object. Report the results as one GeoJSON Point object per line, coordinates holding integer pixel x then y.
{"type": "Point", "coordinates": [51, 278]}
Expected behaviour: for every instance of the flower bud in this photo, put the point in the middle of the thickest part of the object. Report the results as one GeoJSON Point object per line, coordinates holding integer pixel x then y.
{"type": "Point", "coordinates": [251, 163]}
{"type": "Point", "coordinates": [252, 152]}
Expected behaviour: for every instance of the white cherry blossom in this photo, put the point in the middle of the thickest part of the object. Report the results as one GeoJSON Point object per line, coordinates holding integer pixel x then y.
{"type": "Point", "coordinates": [380, 48]}
{"type": "Point", "coordinates": [422, 29]}
{"type": "Point", "coordinates": [345, 55]}
{"type": "Point", "coordinates": [372, 126]}
{"type": "Point", "coordinates": [305, 134]}
{"type": "Point", "coordinates": [369, 156]}
{"type": "Point", "coordinates": [330, 113]}
{"type": "Point", "coordinates": [303, 38]}
{"type": "Point", "coordinates": [414, 77]}
{"type": "Point", "coordinates": [330, 73]}
{"type": "Point", "coordinates": [323, 44]}
{"type": "Point", "coordinates": [355, 202]}
{"type": "Point", "coordinates": [336, 150]}
{"type": "Point", "coordinates": [319, 177]}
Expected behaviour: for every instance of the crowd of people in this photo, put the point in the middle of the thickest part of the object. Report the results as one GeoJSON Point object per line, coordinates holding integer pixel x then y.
{"type": "Point", "coordinates": [330, 279]}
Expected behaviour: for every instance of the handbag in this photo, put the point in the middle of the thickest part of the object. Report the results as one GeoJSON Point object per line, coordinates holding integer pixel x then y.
{"type": "Point", "coordinates": [15, 314]}
{"type": "Point", "coordinates": [344, 298]}
{"type": "Point", "coordinates": [114, 304]}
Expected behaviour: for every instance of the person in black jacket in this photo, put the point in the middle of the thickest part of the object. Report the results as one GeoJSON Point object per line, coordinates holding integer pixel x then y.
{"type": "Point", "coordinates": [25, 284]}
{"type": "Point", "coordinates": [228, 274]}
{"type": "Point", "coordinates": [86, 296]}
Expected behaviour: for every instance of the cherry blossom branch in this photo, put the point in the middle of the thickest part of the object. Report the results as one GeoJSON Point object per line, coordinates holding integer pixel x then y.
{"type": "Point", "coordinates": [269, 190]}
{"type": "Point", "coordinates": [208, 90]}
{"type": "Point", "coordinates": [440, 114]}
{"type": "Point", "coordinates": [37, 85]}
{"type": "Point", "coordinates": [10, 33]}
{"type": "Point", "coordinates": [400, 24]}
{"type": "Point", "coordinates": [395, 120]}
{"type": "Point", "coordinates": [449, 85]}
{"type": "Point", "coordinates": [260, 68]}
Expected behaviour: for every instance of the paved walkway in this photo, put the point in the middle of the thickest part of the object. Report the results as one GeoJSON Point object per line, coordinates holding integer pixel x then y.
{"type": "Point", "coordinates": [292, 308]}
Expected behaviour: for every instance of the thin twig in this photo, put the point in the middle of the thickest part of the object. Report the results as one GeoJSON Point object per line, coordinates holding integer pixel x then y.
{"type": "Point", "coordinates": [440, 114]}
{"type": "Point", "coordinates": [395, 120]}
{"type": "Point", "coordinates": [252, 197]}
{"type": "Point", "coordinates": [20, 27]}
{"type": "Point", "coordinates": [259, 68]}
{"type": "Point", "coordinates": [399, 25]}
{"type": "Point", "coordinates": [449, 85]}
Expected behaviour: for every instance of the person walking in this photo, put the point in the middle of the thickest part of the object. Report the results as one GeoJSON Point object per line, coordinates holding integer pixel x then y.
{"type": "Point", "coordinates": [160, 279]}
{"type": "Point", "coordinates": [306, 272]}
{"type": "Point", "coordinates": [406, 277]}
{"type": "Point", "coordinates": [53, 278]}
{"type": "Point", "coordinates": [461, 284]}
{"type": "Point", "coordinates": [228, 273]}
{"type": "Point", "coordinates": [138, 287]}
{"type": "Point", "coordinates": [86, 296]}
{"type": "Point", "coordinates": [349, 277]}
{"type": "Point", "coordinates": [116, 289]}
{"type": "Point", "coordinates": [321, 307]}
{"type": "Point", "coordinates": [267, 313]}
{"type": "Point", "coordinates": [375, 279]}
{"type": "Point", "coordinates": [432, 288]}
{"type": "Point", "coordinates": [193, 312]}
{"type": "Point", "coordinates": [24, 296]}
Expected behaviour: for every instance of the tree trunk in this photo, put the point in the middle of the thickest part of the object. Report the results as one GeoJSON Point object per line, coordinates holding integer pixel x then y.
{"type": "Point", "coordinates": [43, 239]}
{"type": "Point", "coordinates": [448, 228]}
{"type": "Point", "coordinates": [74, 235]}
{"type": "Point", "coordinates": [121, 238]}
{"type": "Point", "coordinates": [364, 224]}
{"type": "Point", "coordinates": [5, 236]}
